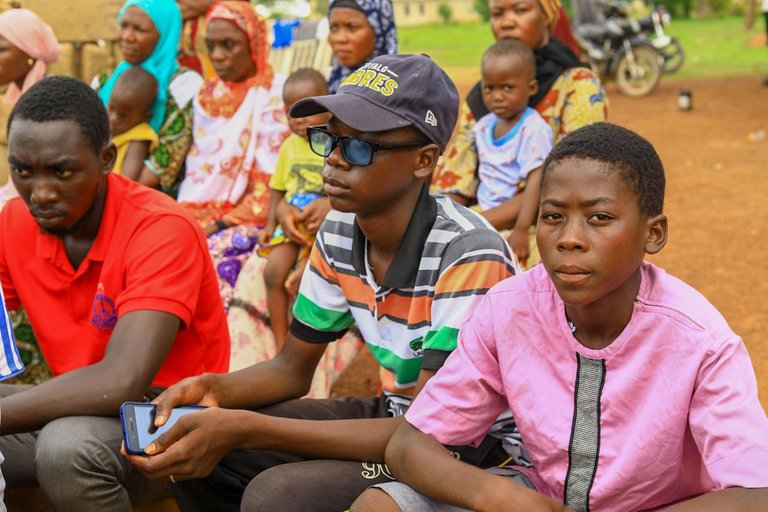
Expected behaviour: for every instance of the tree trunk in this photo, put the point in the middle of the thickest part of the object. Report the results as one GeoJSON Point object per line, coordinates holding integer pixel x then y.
{"type": "Point", "coordinates": [749, 15]}
{"type": "Point", "coordinates": [703, 9]}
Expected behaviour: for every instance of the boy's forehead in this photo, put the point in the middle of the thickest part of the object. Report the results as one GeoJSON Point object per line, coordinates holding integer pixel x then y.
{"type": "Point", "coordinates": [302, 88]}
{"type": "Point", "coordinates": [133, 89]}
{"type": "Point", "coordinates": [511, 63]}
{"type": "Point", "coordinates": [128, 98]}
{"type": "Point", "coordinates": [586, 176]}
{"type": "Point", "coordinates": [589, 164]}
{"type": "Point", "coordinates": [306, 84]}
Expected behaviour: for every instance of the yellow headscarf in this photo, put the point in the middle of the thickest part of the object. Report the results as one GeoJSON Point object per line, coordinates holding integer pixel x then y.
{"type": "Point", "coordinates": [551, 10]}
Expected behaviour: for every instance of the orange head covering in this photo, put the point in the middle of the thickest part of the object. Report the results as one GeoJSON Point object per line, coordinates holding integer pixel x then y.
{"type": "Point", "coordinates": [243, 16]}
{"type": "Point", "coordinates": [551, 10]}
{"type": "Point", "coordinates": [27, 32]}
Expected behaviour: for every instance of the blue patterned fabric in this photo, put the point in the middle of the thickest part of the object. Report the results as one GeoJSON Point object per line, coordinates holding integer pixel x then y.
{"type": "Point", "coordinates": [161, 64]}
{"type": "Point", "coordinates": [10, 360]}
{"type": "Point", "coordinates": [382, 20]}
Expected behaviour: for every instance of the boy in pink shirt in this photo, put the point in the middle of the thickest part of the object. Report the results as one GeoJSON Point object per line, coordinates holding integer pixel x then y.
{"type": "Point", "coordinates": [629, 389]}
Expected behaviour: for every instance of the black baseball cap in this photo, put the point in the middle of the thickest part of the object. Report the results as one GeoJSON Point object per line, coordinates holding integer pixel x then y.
{"type": "Point", "coordinates": [392, 91]}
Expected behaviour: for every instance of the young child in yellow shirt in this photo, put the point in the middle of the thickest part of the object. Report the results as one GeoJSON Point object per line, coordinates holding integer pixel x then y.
{"type": "Point", "coordinates": [130, 109]}
{"type": "Point", "coordinates": [297, 181]}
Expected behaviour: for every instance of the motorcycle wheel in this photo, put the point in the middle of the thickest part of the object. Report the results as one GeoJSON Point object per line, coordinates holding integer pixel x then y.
{"type": "Point", "coordinates": [642, 77]}
{"type": "Point", "coordinates": [673, 55]}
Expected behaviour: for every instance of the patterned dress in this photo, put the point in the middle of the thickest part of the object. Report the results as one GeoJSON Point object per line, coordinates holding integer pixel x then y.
{"type": "Point", "coordinates": [36, 369]}
{"type": "Point", "coordinates": [238, 130]}
{"type": "Point", "coordinates": [253, 341]}
{"type": "Point", "coordinates": [232, 185]}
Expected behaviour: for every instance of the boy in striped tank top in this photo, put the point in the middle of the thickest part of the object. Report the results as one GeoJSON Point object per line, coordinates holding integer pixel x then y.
{"type": "Point", "coordinates": [406, 267]}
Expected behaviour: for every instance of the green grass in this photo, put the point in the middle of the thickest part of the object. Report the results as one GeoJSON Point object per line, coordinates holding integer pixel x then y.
{"type": "Point", "coordinates": [454, 45]}
{"type": "Point", "coordinates": [714, 47]}
{"type": "Point", "coordinates": [720, 47]}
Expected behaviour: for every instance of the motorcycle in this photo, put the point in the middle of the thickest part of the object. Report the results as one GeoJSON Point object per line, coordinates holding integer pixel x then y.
{"type": "Point", "coordinates": [669, 48]}
{"type": "Point", "coordinates": [620, 50]}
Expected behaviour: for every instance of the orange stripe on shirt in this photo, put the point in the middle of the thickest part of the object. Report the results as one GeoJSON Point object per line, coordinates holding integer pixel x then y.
{"type": "Point", "coordinates": [471, 276]}
{"type": "Point", "coordinates": [355, 290]}
{"type": "Point", "coordinates": [412, 309]}
{"type": "Point", "coordinates": [323, 268]}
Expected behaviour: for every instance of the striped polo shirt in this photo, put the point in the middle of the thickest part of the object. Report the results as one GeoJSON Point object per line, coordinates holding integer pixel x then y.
{"type": "Point", "coordinates": [448, 258]}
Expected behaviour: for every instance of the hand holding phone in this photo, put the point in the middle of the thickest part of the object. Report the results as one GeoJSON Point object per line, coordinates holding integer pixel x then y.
{"type": "Point", "coordinates": [192, 450]}
{"type": "Point", "coordinates": [138, 423]}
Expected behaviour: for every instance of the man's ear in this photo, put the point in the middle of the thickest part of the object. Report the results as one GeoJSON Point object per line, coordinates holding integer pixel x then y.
{"type": "Point", "coordinates": [657, 230]}
{"type": "Point", "coordinates": [427, 160]}
{"type": "Point", "coordinates": [108, 157]}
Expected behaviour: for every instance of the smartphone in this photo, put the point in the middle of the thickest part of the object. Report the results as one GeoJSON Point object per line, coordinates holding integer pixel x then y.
{"type": "Point", "coordinates": [138, 422]}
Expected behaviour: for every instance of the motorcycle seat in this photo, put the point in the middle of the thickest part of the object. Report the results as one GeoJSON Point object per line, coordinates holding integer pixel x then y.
{"type": "Point", "coordinates": [592, 31]}
{"type": "Point", "coordinates": [599, 32]}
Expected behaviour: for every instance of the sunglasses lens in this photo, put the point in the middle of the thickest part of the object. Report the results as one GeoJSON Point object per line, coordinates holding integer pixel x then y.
{"type": "Point", "coordinates": [356, 151]}
{"type": "Point", "coordinates": [320, 142]}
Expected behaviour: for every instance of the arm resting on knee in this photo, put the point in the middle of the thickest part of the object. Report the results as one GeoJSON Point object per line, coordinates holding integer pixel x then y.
{"type": "Point", "coordinates": [420, 461]}
{"type": "Point", "coordinates": [136, 349]}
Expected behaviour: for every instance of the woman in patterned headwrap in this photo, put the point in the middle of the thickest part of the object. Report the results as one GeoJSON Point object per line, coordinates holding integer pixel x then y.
{"type": "Point", "coordinates": [359, 30]}
{"type": "Point", "coordinates": [246, 300]}
{"type": "Point", "coordinates": [192, 51]}
{"type": "Point", "coordinates": [570, 95]}
{"type": "Point", "coordinates": [239, 124]}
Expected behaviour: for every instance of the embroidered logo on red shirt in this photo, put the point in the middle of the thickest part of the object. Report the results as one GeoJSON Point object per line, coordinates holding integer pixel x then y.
{"type": "Point", "coordinates": [103, 313]}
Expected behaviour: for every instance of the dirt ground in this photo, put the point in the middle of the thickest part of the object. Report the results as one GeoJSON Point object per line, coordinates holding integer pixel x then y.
{"type": "Point", "coordinates": [717, 202]}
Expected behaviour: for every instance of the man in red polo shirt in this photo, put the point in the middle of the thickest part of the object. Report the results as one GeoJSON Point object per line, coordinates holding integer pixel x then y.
{"type": "Point", "coordinates": [119, 288]}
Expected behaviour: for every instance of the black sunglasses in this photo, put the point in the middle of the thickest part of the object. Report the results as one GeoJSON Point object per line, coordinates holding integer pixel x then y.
{"type": "Point", "coordinates": [355, 151]}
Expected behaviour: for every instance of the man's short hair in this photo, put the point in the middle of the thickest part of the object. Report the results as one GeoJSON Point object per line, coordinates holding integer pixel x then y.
{"type": "Point", "coordinates": [635, 159]}
{"type": "Point", "coordinates": [59, 98]}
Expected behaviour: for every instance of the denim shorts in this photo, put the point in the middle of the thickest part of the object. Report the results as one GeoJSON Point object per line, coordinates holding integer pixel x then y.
{"type": "Point", "coordinates": [413, 501]}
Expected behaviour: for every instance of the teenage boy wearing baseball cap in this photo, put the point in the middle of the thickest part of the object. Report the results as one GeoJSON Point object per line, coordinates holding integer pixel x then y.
{"type": "Point", "coordinates": [407, 267]}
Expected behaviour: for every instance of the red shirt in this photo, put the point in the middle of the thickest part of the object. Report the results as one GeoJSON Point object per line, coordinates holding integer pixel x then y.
{"type": "Point", "coordinates": [149, 254]}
